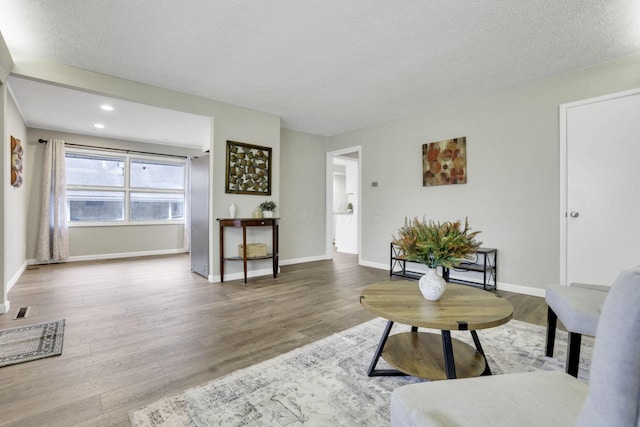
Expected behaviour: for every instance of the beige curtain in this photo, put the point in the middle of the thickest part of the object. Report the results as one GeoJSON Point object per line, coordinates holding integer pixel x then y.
{"type": "Point", "coordinates": [53, 235]}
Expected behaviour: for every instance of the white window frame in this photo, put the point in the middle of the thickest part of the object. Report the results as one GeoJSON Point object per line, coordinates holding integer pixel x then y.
{"type": "Point", "coordinates": [127, 189]}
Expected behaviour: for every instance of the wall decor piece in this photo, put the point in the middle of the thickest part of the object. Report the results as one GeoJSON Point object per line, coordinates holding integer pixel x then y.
{"type": "Point", "coordinates": [444, 162]}
{"type": "Point", "coordinates": [248, 169]}
{"type": "Point", "coordinates": [16, 162]}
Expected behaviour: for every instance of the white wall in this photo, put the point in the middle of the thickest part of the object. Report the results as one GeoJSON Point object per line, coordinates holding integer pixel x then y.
{"type": "Point", "coordinates": [512, 194]}
{"type": "Point", "coordinates": [4, 165]}
{"type": "Point", "coordinates": [302, 209]}
{"type": "Point", "coordinates": [241, 125]}
{"type": "Point", "coordinates": [16, 201]}
{"type": "Point", "coordinates": [6, 63]}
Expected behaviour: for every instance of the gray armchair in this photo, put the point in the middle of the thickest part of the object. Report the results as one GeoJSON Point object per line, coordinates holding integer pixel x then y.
{"type": "Point", "coordinates": [549, 398]}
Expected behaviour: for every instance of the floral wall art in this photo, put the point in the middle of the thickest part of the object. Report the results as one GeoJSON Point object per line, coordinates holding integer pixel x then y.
{"type": "Point", "coordinates": [16, 162]}
{"type": "Point", "coordinates": [444, 162]}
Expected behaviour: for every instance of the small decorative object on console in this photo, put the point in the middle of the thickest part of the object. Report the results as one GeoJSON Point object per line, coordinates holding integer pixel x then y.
{"type": "Point", "coordinates": [267, 207]}
{"type": "Point", "coordinates": [253, 250]}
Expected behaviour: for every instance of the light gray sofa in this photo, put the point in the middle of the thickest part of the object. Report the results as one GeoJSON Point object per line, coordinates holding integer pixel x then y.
{"type": "Point", "coordinates": [612, 398]}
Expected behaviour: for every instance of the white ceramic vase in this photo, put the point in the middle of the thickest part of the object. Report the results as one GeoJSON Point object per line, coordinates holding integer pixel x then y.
{"type": "Point", "coordinates": [432, 285]}
{"type": "Point", "coordinates": [232, 210]}
{"type": "Point", "coordinates": [267, 214]}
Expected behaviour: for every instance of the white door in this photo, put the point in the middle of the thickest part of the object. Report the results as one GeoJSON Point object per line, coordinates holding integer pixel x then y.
{"type": "Point", "coordinates": [602, 210]}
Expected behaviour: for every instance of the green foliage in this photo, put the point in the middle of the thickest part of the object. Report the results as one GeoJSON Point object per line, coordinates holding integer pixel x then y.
{"type": "Point", "coordinates": [268, 205]}
{"type": "Point", "coordinates": [437, 244]}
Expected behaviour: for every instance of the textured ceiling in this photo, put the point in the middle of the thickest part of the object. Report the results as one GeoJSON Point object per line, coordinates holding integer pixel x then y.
{"type": "Point", "coordinates": [330, 66]}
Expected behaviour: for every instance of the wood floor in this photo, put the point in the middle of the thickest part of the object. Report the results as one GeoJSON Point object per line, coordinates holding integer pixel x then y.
{"type": "Point", "coordinates": [140, 329]}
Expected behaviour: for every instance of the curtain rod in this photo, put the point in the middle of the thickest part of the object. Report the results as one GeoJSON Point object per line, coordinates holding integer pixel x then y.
{"type": "Point", "coordinates": [122, 150]}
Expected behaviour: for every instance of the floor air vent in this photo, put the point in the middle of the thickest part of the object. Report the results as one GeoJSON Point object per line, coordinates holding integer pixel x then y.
{"type": "Point", "coordinates": [23, 312]}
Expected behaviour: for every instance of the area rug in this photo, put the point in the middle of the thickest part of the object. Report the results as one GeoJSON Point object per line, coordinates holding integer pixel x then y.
{"type": "Point", "coordinates": [325, 383]}
{"type": "Point", "coordinates": [27, 343]}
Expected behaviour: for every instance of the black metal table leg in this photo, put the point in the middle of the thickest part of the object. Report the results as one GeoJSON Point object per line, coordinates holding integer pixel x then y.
{"type": "Point", "coordinates": [476, 341]}
{"type": "Point", "coordinates": [447, 348]}
{"type": "Point", "coordinates": [373, 372]}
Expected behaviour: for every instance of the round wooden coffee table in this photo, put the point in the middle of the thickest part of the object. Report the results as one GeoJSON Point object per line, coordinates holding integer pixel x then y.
{"type": "Point", "coordinates": [425, 354]}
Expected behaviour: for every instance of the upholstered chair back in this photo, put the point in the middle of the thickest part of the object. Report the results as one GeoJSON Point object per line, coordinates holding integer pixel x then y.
{"type": "Point", "coordinates": [614, 380]}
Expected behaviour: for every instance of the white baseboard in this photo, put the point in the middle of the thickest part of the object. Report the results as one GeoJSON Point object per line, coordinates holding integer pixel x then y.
{"type": "Point", "coordinates": [292, 261]}
{"type": "Point", "coordinates": [373, 264]}
{"type": "Point", "coordinates": [266, 271]}
{"type": "Point", "coordinates": [240, 275]}
{"type": "Point", "coordinates": [113, 256]}
{"type": "Point", "coordinates": [16, 276]}
{"type": "Point", "coordinates": [6, 306]}
{"type": "Point", "coordinates": [519, 289]}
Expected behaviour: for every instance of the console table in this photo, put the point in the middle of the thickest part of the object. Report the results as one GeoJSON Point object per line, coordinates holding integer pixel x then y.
{"type": "Point", "coordinates": [244, 223]}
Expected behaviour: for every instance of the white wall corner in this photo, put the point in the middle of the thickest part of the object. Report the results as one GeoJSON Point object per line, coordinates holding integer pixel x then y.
{"type": "Point", "coordinates": [16, 276]}
{"type": "Point", "coordinates": [4, 308]}
{"type": "Point", "coordinates": [6, 62]}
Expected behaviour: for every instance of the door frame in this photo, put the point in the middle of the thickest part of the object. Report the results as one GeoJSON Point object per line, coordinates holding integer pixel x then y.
{"type": "Point", "coordinates": [563, 156]}
{"type": "Point", "coordinates": [329, 198]}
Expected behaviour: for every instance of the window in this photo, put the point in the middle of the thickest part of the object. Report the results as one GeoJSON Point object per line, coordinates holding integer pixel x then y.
{"type": "Point", "coordinates": [156, 206]}
{"type": "Point", "coordinates": [95, 205]}
{"type": "Point", "coordinates": [105, 188]}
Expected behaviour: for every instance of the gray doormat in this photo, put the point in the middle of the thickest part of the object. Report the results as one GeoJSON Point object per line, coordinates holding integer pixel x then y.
{"type": "Point", "coordinates": [27, 343]}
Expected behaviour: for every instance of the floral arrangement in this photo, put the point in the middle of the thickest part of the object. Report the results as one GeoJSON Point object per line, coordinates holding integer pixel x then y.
{"type": "Point", "coordinates": [268, 205]}
{"type": "Point", "coordinates": [436, 244]}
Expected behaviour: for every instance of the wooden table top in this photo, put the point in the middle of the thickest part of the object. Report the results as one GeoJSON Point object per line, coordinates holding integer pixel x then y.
{"type": "Point", "coordinates": [461, 307]}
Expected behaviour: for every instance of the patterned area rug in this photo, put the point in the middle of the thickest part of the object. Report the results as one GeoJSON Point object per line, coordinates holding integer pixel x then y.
{"type": "Point", "coordinates": [325, 383]}
{"type": "Point", "coordinates": [27, 343]}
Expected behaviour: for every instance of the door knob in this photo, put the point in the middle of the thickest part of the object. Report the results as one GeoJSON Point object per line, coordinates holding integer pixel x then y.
{"type": "Point", "coordinates": [574, 214]}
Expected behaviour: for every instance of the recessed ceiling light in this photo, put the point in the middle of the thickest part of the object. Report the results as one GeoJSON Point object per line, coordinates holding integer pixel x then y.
{"type": "Point", "coordinates": [98, 126]}
{"type": "Point", "coordinates": [106, 107]}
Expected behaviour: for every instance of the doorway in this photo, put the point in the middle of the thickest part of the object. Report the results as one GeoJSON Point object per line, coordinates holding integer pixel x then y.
{"type": "Point", "coordinates": [343, 201]}
{"type": "Point", "coordinates": [600, 187]}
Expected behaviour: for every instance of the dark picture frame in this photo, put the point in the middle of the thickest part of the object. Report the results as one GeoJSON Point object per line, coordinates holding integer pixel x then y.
{"type": "Point", "coordinates": [248, 169]}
